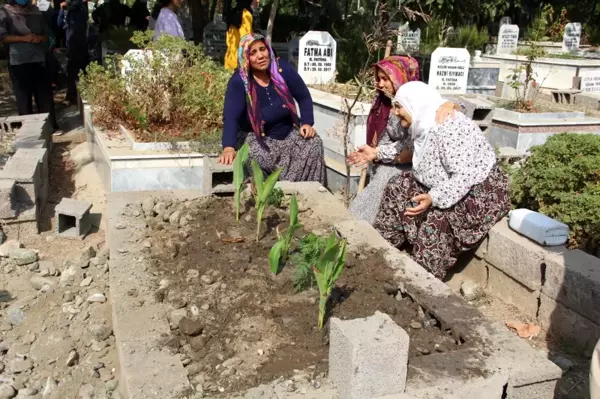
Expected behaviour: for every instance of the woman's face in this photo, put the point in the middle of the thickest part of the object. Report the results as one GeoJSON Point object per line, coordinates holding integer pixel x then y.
{"type": "Point", "coordinates": [177, 3]}
{"type": "Point", "coordinates": [259, 56]}
{"type": "Point", "coordinates": [402, 113]}
{"type": "Point", "coordinates": [383, 83]}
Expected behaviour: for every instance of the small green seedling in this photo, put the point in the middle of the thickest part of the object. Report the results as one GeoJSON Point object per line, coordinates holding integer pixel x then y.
{"type": "Point", "coordinates": [238, 177]}
{"type": "Point", "coordinates": [263, 189]}
{"type": "Point", "coordinates": [308, 251]}
{"type": "Point", "coordinates": [327, 270]}
{"type": "Point", "coordinates": [279, 252]}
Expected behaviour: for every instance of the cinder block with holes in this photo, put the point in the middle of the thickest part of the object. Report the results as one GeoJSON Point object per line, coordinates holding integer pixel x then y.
{"type": "Point", "coordinates": [14, 122]}
{"type": "Point", "coordinates": [73, 218]}
{"type": "Point", "coordinates": [218, 178]}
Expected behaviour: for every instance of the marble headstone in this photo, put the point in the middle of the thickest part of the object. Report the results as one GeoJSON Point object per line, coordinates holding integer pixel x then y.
{"type": "Point", "coordinates": [572, 36]}
{"type": "Point", "coordinates": [409, 41]}
{"type": "Point", "coordinates": [508, 39]}
{"type": "Point", "coordinates": [590, 83]}
{"type": "Point", "coordinates": [317, 57]}
{"type": "Point", "coordinates": [214, 39]}
{"type": "Point", "coordinates": [449, 70]}
{"type": "Point", "coordinates": [505, 21]}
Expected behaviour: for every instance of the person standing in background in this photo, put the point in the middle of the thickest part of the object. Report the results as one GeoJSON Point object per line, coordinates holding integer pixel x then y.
{"type": "Point", "coordinates": [73, 18]}
{"type": "Point", "coordinates": [25, 33]}
{"type": "Point", "coordinates": [167, 21]}
{"type": "Point", "coordinates": [239, 22]}
{"type": "Point", "coordinates": [139, 16]}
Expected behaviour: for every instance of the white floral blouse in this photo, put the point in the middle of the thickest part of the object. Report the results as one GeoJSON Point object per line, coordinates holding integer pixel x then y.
{"type": "Point", "coordinates": [456, 156]}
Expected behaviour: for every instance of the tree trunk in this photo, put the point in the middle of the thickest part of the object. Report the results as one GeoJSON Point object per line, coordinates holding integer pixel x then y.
{"type": "Point", "coordinates": [198, 14]}
{"type": "Point", "coordinates": [272, 15]}
{"type": "Point", "coordinates": [211, 13]}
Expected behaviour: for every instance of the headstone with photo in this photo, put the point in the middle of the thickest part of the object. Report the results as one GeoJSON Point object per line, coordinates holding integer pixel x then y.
{"type": "Point", "coordinates": [590, 83]}
{"type": "Point", "coordinates": [505, 21]}
{"type": "Point", "coordinates": [317, 57]}
{"type": "Point", "coordinates": [571, 36]}
{"type": "Point", "coordinates": [508, 39]}
{"type": "Point", "coordinates": [449, 70]}
{"type": "Point", "coordinates": [409, 41]}
{"type": "Point", "coordinates": [214, 39]}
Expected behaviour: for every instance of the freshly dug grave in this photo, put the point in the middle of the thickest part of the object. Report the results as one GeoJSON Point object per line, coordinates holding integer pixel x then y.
{"type": "Point", "coordinates": [235, 324]}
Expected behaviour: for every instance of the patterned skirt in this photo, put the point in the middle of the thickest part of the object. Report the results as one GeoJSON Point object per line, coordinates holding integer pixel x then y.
{"type": "Point", "coordinates": [438, 236]}
{"type": "Point", "coordinates": [301, 159]}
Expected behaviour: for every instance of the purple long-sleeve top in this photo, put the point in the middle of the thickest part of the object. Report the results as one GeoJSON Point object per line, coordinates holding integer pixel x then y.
{"type": "Point", "coordinates": [277, 119]}
{"type": "Point", "coordinates": [167, 23]}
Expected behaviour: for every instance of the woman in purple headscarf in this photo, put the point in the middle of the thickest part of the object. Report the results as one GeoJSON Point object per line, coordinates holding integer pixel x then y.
{"type": "Point", "coordinates": [260, 100]}
{"type": "Point", "coordinates": [389, 147]}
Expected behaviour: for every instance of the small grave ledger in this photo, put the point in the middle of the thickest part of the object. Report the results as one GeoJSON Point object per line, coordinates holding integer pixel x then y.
{"type": "Point", "coordinates": [449, 70]}
{"type": "Point", "coordinates": [317, 57]}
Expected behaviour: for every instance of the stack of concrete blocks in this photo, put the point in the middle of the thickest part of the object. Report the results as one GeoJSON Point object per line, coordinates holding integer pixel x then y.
{"type": "Point", "coordinates": [34, 131]}
{"type": "Point", "coordinates": [73, 218]}
{"type": "Point", "coordinates": [557, 287]}
{"type": "Point", "coordinates": [218, 178]}
{"type": "Point", "coordinates": [477, 108]}
{"type": "Point", "coordinates": [24, 180]}
{"type": "Point", "coordinates": [28, 169]}
{"type": "Point", "coordinates": [368, 358]}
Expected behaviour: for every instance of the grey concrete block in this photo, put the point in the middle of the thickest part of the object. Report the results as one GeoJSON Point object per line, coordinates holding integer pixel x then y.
{"type": "Point", "coordinates": [573, 279]}
{"type": "Point", "coordinates": [568, 325]}
{"type": "Point", "coordinates": [368, 357]}
{"type": "Point", "coordinates": [22, 167]}
{"type": "Point", "coordinates": [515, 255]}
{"type": "Point", "coordinates": [482, 248]}
{"type": "Point", "coordinates": [73, 218]}
{"type": "Point", "coordinates": [41, 154]}
{"type": "Point", "coordinates": [7, 203]}
{"type": "Point", "coordinates": [512, 292]}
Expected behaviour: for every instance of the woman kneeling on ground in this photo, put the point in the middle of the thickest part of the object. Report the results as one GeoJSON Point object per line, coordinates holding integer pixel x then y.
{"type": "Point", "coordinates": [260, 100]}
{"type": "Point", "coordinates": [455, 192]}
{"type": "Point", "coordinates": [389, 146]}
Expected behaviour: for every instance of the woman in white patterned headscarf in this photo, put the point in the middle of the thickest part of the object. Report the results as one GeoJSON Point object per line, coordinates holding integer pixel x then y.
{"type": "Point", "coordinates": [455, 192]}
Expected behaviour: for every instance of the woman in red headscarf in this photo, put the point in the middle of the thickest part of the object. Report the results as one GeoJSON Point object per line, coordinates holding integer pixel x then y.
{"type": "Point", "coordinates": [388, 147]}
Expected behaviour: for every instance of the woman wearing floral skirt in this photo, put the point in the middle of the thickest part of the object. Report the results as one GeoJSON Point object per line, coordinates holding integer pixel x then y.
{"type": "Point", "coordinates": [455, 192]}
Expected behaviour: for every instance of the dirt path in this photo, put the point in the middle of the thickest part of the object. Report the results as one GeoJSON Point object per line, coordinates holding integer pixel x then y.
{"type": "Point", "coordinates": [55, 318]}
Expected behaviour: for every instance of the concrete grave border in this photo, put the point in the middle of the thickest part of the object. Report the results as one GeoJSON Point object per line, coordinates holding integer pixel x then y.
{"type": "Point", "coordinates": [508, 366]}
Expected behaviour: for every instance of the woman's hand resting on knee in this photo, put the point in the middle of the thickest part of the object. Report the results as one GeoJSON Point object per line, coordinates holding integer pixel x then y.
{"type": "Point", "coordinates": [424, 203]}
{"type": "Point", "coordinates": [307, 131]}
{"type": "Point", "coordinates": [227, 156]}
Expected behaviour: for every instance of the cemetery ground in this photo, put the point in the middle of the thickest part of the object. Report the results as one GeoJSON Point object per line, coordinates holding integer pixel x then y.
{"type": "Point", "coordinates": [56, 324]}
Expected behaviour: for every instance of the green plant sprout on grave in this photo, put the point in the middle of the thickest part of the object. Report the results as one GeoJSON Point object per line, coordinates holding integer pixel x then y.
{"type": "Point", "coordinates": [279, 252]}
{"type": "Point", "coordinates": [238, 177]}
{"type": "Point", "coordinates": [276, 197]}
{"type": "Point", "coordinates": [327, 270]}
{"type": "Point", "coordinates": [307, 253]}
{"type": "Point", "coordinates": [263, 189]}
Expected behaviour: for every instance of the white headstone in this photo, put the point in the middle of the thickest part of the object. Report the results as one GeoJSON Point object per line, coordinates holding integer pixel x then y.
{"type": "Point", "coordinates": [590, 83]}
{"type": "Point", "coordinates": [317, 57]}
{"type": "Point", "coordinates": [214, 39]}
{"type": "Point", "coordinates": [449, 70]}
{"type": "Point", "coordinates": [505, 21]}
{"type": "Point", "coordinates": [293, 50]}
{"type": "Point", "coordinates": [572, 36]}
{"type": "Point", "coordinates": [508, 39]}
{"type": "Point", "coordinates": [409, 41]}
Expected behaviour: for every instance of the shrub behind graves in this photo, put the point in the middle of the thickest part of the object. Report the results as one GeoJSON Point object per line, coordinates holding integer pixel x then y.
{"type": "Point", "coordinates": [172, 91]}
{"type": "Point", "coordinates": [562, 180]}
